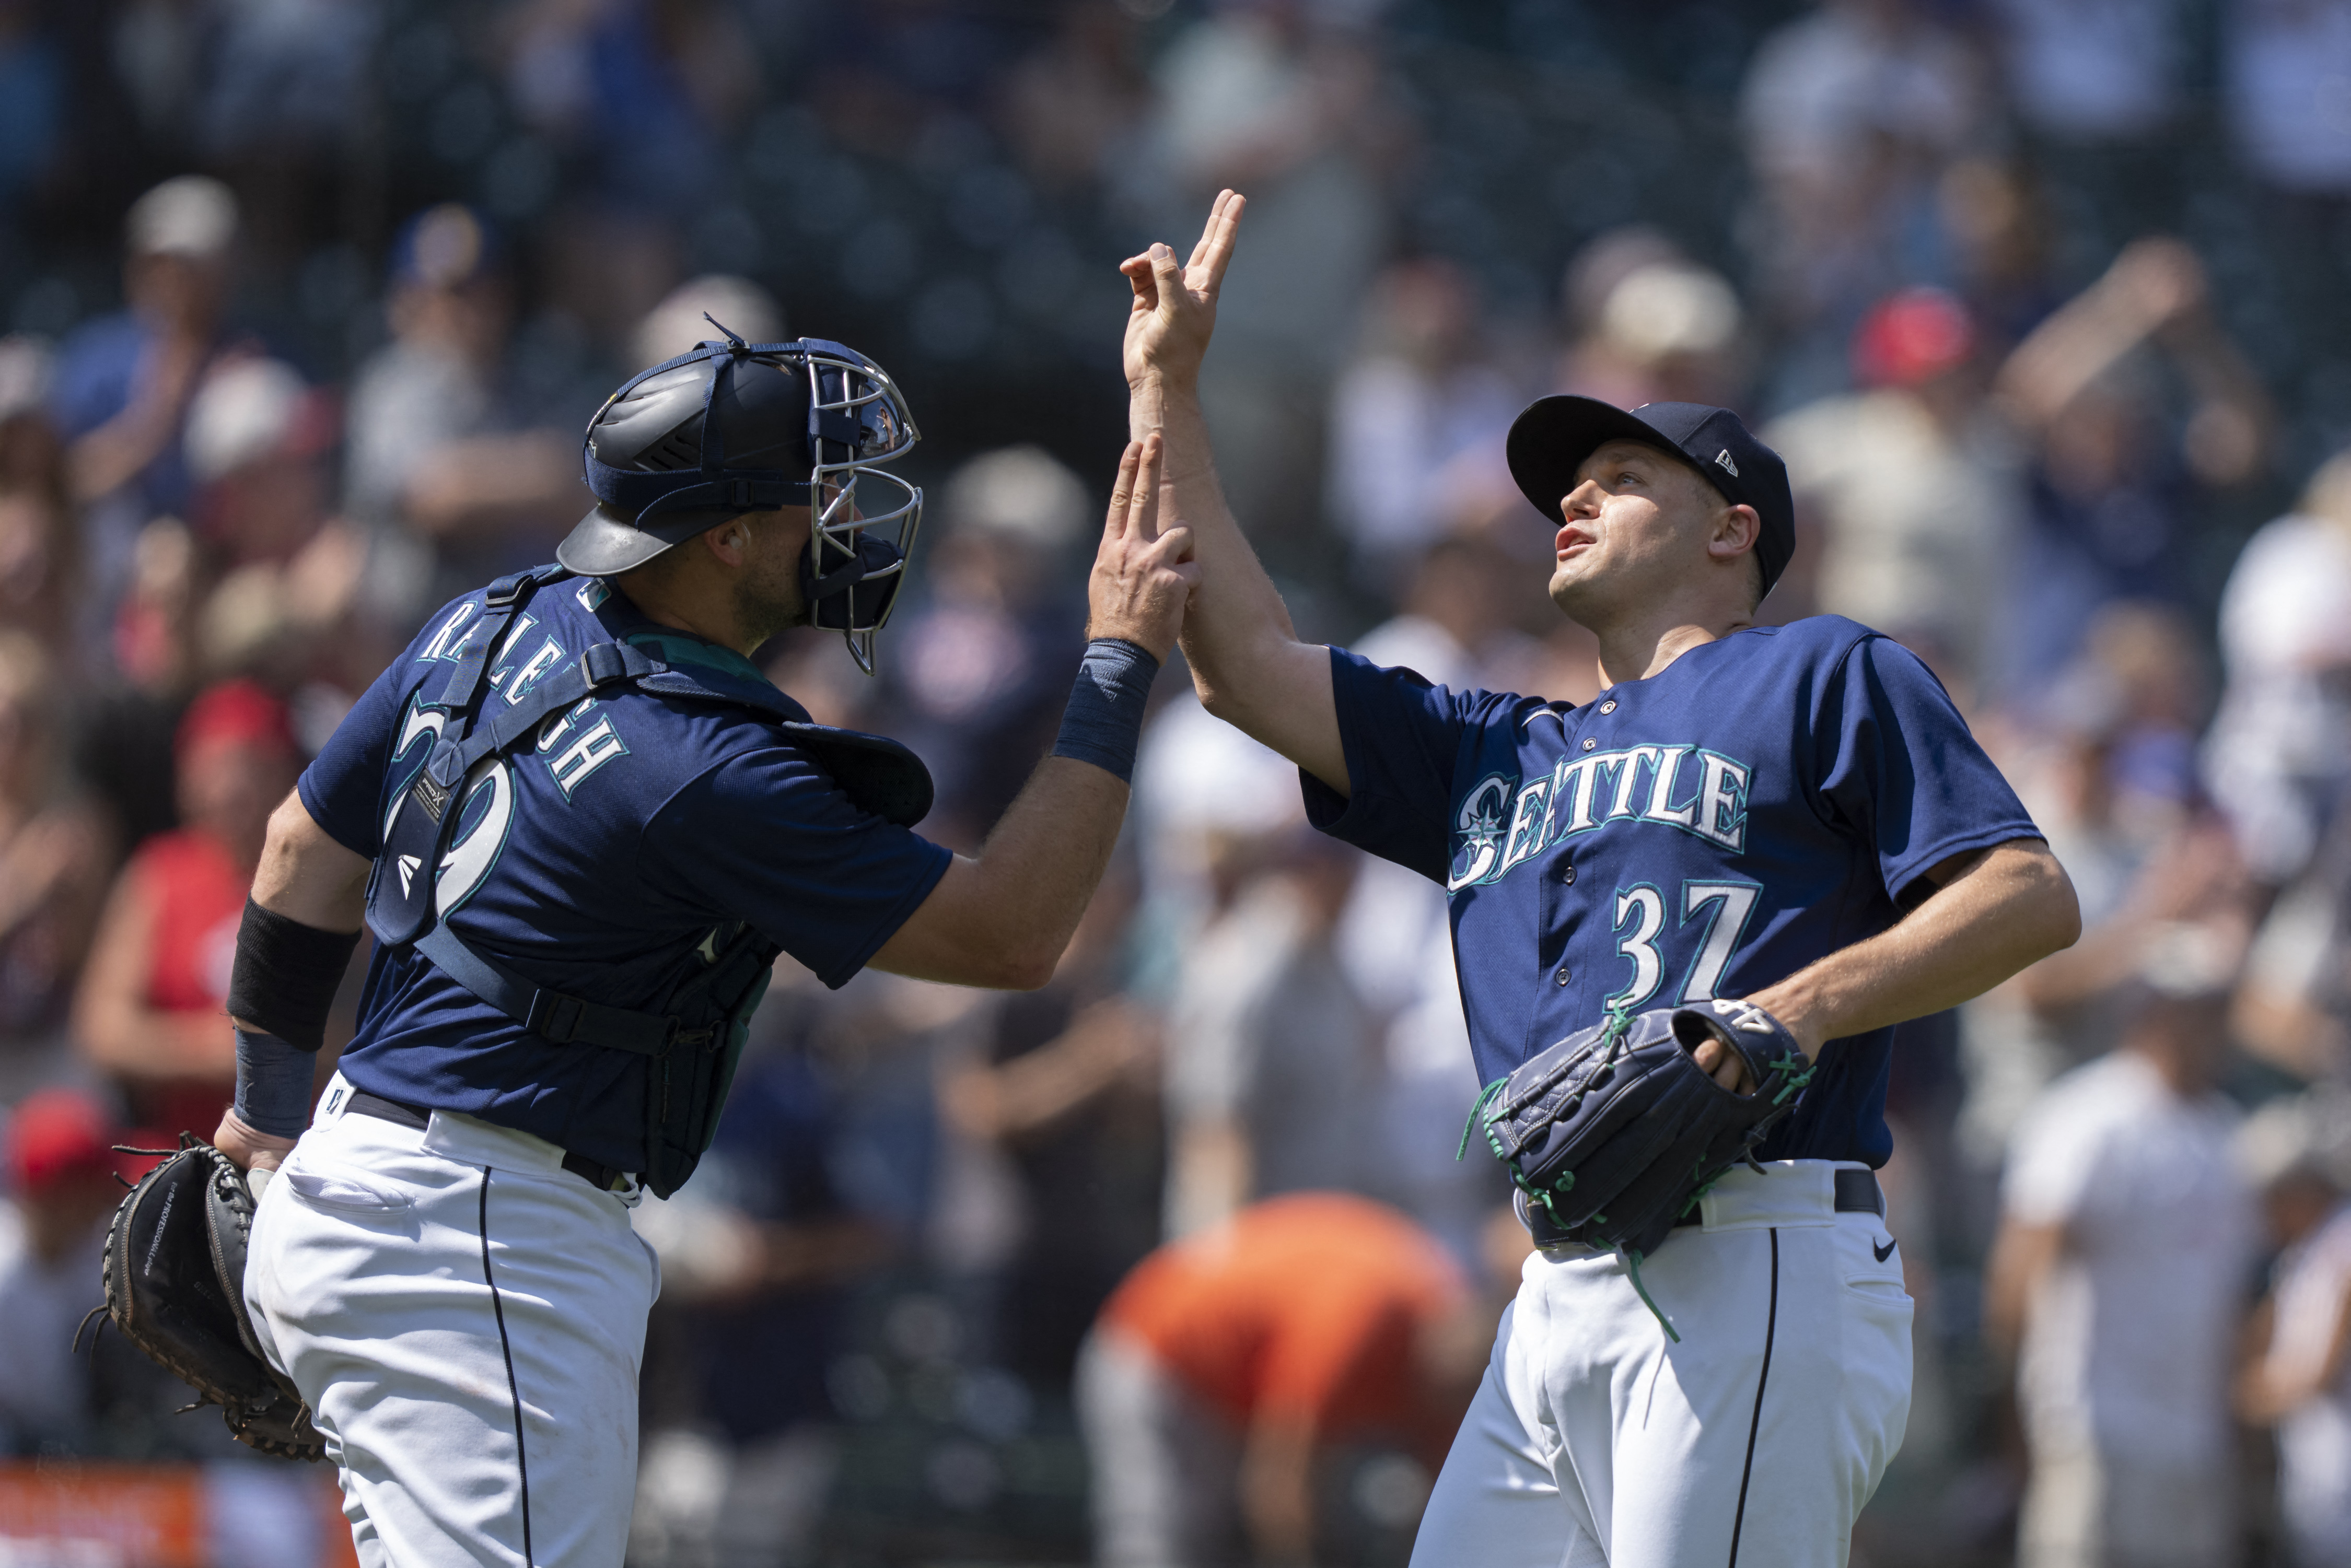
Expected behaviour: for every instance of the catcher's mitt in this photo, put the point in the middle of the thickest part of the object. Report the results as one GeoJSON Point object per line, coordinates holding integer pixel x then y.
{"type": "Point", "coordinates": [175, 1287]}
{"type": "Point", "coordinates": [1615, 1132]}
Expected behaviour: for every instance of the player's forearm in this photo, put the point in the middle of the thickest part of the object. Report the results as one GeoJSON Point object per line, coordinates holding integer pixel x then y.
{"type": "Point", "coordinates": [1247, 662]}
{"type": "Point", "coordinates": [2010, 907]}
{"type": "Point", "coordinates": [1238, 608]}
{"type": "Point", "coordinates": [1002, 918]}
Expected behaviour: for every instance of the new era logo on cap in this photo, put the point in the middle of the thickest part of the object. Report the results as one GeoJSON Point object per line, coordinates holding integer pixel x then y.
{"type": "Point", "coordinates": [1722, 460]}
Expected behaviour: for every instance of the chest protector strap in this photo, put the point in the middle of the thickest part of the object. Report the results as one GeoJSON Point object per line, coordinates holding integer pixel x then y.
{"type": "Point", "coordinates": [692, 1046]}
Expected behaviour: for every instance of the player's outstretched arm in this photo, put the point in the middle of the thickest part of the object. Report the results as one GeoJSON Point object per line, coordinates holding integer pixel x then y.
{"type": "Point", "coordinates": [1992, 913]}
{"type": "Point", "coordinates": [1002, 918]}
{"type": "Point", "coordinates": [1247, 662]}
{"type": "Point", "coordinates": [311, 892]}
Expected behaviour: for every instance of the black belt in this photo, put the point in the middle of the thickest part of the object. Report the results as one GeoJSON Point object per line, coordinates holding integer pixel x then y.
{"type": "Point", "coordinates": [600, 1176]}
{"type": "Point", "coordinates": [1856, 1193]}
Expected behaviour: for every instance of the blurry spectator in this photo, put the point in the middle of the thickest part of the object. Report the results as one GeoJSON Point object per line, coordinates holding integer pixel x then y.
{"type": "Point", "coordinates": [51, 869]}
{"type": "Point", "coordinates": [898, 71]}
{"type": "Point", "coordinates": [1592, 276]}
{"type": "Point", "coordinates": [1850, 114]}
{"type": "Point", "coordinates": [985, 662]}
{"type": "Point", "coordinates": [149, 1013]}
{"type": "Point", "coordinates": [1273, 1064]}
{"type": "Point", "coordinates": [1909, 490]}
{"type": "Point", "coordinates": [124, 747]}
{"type": "Point", "coordinates": [283, 92]}
{"type": "Point", "coordinates": [61, 1190]}
{"type": "Point", "coordinates": [644, 88]}
{"type": "Point", "coordinates": [2285, 62]}
{"type": "Point", "coordinates": [683, 320]}
{"type": "Point", "coordinates": [32, 102]}
{"type": "Point", "coordinates": [1228, 1363]}
{"type": "Point", "coordinates": [2294, 1006]}
{"type": "Point", "coordinates": [2116, 1277]}
{"type": "Point", "coordinates": [41, 547]}
{"type": "Point", "coordinates": [1667, 331]}
{"type": "Point", "coordinates": [125, 380]}
{"type": "Point", "coordinates": [256, 435]}
{"type": "Point", "coordinates": [2112, 786]}
{"type": "Point", "coordinates": [2110, 505]}
{"type": "Point", "coordinates": [2280, 751]}
{"type": "Point", "coordinates": [1205, 796]}
{"type": "Point", "coordinates": [436, 456]}
{"type": "Point", "coordinates": [2096, 83]}
{"type": "Point", "coordinates": [2092, 70]}
{"type": "Point", "coordinates": [1421, 399]}
{"type": "Point", "coordinates": [1459, 613]}
{"type": "Point", "coordinates": [281, 571]}
{"type": "Point", "coordinates": [1072, 108]}
{"type": "Point", "coordinates": [1266, 97]}
{"type": "Point", "coordinates": [758, 1259]}
{"type": "Point", "coordinates": [1994, 221]}
{"type": "Point", "coordinates": [2299, 1377]}
{"type": "Point", "coordinates": [1063, 1081]}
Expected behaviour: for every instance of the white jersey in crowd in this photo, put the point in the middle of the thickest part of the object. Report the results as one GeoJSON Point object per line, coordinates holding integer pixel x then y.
{"type": "Point", "coordinates": [2314, 1439]}
{"type": "Point", "coordinates": [2129, 1345]}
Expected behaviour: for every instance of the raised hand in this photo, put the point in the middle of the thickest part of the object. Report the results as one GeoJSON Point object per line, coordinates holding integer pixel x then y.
{"type": "Point", "coordinates": [1175, 308]}
{"type": "Point", "coordinates": [1144, 575]}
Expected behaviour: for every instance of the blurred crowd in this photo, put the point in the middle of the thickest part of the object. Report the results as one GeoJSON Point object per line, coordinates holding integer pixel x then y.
{"type": "Point", "coordinates": [309, 299]}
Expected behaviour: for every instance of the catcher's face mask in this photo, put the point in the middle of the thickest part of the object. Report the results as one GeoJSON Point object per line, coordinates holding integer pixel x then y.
{"type": "Point", "coordinates": [656, 457]}
{"type": "Point", "coordinates": [857, 422]}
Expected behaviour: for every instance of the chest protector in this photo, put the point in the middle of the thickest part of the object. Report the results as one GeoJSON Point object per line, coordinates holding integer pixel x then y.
{"type": "Point", "coordinates": [691, 1035]}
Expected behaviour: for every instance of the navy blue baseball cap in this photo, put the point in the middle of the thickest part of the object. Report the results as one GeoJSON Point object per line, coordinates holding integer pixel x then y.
{"type": "Point", "coordinates": [1550, 439]}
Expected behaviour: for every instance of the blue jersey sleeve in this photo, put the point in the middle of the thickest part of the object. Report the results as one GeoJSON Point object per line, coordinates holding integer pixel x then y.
{"type": "Point", "coordinates": [1403, 740]}
{"type": "Point", "coordinates": [766, 838]}
{"type": "Point", "coordinates": [343, 786]}
{"type": "Point", "coordinates": [1898, 768]}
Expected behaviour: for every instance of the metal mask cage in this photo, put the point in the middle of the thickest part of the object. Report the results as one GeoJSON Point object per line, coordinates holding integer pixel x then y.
{"type": "Point", "coordinates": [858, 420]}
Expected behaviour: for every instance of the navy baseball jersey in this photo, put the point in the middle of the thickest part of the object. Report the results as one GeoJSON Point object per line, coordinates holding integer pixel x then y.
{"type": "Point", "coordinates": [1766, 799]}
{"type": "Point", "coordinates": [594, 864]}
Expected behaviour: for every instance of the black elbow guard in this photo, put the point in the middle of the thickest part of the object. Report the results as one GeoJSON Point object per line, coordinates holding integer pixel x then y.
{"type": "Point", "coordinates": [286, 976]}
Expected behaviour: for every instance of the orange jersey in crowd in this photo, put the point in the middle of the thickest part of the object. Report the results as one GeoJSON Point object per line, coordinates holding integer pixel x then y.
{"type": "Point", "coordinates": [1305, 1306]}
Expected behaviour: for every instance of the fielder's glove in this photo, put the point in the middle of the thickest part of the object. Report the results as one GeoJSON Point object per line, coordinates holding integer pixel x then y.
{"type": "Point", "coordinates": [1615, 1132]}
{"type": "Point", "coordinates": [175, 1287]}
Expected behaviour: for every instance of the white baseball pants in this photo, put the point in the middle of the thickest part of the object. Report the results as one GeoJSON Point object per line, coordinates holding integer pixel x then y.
{"type": "Point", "coordinates": [1597, 1442]}
{"type": "Point", "coordinates": [466, 1320]}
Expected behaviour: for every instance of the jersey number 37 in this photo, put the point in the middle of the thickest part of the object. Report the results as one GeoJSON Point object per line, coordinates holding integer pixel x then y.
{"type": "Point", "coordinates": [1710, 919]}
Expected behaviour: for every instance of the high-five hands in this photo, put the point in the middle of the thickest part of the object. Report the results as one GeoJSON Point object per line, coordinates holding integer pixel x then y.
{"type": "Point", "coordinates": [1144, 574]}
{"type": "Point", "coordinates": [1175, 308]}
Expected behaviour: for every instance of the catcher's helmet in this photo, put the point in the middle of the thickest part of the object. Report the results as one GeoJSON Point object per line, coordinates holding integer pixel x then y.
{"type": "Point", "coordinates": [736, 427]}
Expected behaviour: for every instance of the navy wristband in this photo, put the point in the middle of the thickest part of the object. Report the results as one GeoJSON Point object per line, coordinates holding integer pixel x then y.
{"type": "Point", "coordinates": [1104, 718]}
{"type": "Point", "coordinates": [272, 1084]}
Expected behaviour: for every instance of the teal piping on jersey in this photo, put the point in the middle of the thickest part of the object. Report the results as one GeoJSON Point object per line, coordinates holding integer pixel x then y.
{"type": "Point", "coordinates": [683, 648]}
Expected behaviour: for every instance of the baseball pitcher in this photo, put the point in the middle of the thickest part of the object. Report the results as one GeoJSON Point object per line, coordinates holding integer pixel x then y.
{"type": "Point", "coordinates": [1687, 917]}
